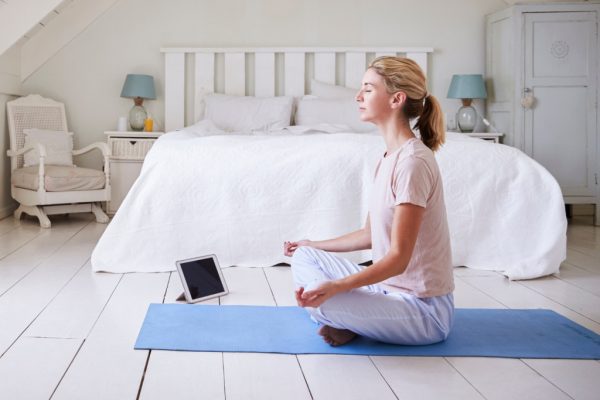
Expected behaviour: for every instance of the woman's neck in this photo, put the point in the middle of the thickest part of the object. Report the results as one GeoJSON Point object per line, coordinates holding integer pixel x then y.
{"type": "Point", "coordinates": [395, 132]}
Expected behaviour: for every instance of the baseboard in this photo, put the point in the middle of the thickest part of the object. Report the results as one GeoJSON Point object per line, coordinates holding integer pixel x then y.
{"type": "Point", "coordinates": [583, 209]}
{"type": "Point", "coordinates": [7, 210]}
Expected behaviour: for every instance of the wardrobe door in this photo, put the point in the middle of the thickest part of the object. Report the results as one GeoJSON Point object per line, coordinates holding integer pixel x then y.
{"type": "Point", "coordinates": [560, 80]}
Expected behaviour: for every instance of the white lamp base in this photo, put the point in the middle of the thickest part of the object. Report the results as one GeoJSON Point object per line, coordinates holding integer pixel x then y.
{"type": "Point", "coordinates": [466, 118]}
{"type": "Point", "coordinates": [137, 116]}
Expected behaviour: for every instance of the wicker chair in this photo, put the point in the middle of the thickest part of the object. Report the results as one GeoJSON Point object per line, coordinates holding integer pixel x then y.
{"type": "Point", "coordinates": [31, 186]}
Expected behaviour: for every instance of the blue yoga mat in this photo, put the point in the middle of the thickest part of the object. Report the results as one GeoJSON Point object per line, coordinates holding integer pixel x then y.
{"type": "Point", "coordinates": [476, 333]}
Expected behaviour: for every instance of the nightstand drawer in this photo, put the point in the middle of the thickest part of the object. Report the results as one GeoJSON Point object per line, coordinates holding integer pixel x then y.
{"type": "Point", "coordinates": [130, 148]}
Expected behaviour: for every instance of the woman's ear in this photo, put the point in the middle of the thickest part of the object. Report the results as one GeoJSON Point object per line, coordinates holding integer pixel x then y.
{"type": "Point", "coordinates": [398, 99]}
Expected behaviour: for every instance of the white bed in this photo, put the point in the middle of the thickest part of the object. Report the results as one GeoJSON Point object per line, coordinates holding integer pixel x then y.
{"type": "Point", "coordinates": [240, 196]}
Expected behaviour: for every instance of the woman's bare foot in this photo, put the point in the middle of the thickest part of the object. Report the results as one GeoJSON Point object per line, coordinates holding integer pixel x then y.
{"type": "Point", "coordinates": [336, 337]}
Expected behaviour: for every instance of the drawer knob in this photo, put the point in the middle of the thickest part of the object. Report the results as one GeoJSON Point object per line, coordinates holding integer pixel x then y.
{"type": "Point", "coordinates": [133, 142]}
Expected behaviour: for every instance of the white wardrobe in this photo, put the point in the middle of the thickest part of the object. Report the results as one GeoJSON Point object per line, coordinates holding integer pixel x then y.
{"type": "Point", "coordinates": [542, 63]}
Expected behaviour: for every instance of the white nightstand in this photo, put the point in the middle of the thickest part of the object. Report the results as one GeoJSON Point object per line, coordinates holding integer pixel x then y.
{"type": "Point", "coordinates": [492, 137]}
{"type": "Point", "coordinates": [128, 152]}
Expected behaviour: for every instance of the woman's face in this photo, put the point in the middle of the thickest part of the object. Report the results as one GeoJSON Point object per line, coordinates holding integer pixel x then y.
{"type": "Point", "coordinates": [375, 103]}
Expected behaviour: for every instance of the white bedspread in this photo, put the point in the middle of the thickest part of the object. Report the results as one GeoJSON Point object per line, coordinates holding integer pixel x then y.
{"type": "Point", "coordinates": [241, 196]}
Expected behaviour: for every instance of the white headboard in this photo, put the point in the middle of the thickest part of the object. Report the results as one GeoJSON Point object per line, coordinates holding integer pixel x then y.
{"type": "Point", "coordinates": [258, 71]}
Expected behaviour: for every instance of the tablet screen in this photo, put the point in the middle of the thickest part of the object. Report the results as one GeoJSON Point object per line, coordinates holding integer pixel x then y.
{"type": "Point", "coordinates": [202, 277]}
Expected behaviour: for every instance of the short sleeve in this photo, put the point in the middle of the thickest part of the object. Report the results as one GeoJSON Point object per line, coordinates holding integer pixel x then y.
{"type": "Point", "coordinates": [413, 182]}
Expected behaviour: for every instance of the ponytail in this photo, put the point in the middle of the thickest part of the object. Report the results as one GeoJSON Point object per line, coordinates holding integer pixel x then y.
{"type": "Point", "coordinates": [431, 124]}
{"type": "Point", "coordinates": [405, 75]}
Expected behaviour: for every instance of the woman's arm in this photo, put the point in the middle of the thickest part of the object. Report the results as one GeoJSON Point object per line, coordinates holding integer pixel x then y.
{"type": "Point", "coordinates": [405, 229]}
{"type": "Point", "coordinates": [357, 240]}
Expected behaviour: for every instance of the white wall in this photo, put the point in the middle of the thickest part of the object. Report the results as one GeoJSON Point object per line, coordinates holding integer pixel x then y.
{"type": "Point", "coordinates": [88, 73]}
{"type": "Point", "coordinates": [7, 205]}
{"type": "Point", "coordinates": [9, 86]}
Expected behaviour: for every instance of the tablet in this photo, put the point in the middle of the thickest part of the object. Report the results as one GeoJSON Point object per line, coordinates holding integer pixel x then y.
{"type": "Point", "coordinates": [201, 278]}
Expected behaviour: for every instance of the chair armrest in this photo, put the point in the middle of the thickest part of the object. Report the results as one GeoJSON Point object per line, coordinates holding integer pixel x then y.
{"type": "Point", "coordinates": [103, 147]}
{"type": "Point", "coordinates": [106, 153]}
{"type": "Point", "coordinates": [40, 147]}
{"type": "Point", "coordinates": [41, 167]}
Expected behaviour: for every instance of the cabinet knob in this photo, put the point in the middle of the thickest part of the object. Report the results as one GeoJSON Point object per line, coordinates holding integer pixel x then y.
{"type": "Point", "coordinates": [527, 101]}
{"type": "Point", "coordinates": [133, 142]}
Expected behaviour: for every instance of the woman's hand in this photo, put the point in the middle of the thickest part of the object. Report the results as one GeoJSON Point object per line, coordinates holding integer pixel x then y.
{"type": "Point", "coordinates": [317, 296]}
{"type": "Point", "coordinates": [290, 247]}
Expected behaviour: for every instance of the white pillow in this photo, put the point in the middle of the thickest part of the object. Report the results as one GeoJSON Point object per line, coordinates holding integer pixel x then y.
{"type": "Point", "coordinates": [247, 113]}
{"type": "Point", "coordinates": [329, 91]}
{"type": "Point", "coordinates": [314, 111]}
{"type": "Point", "coordinates": [59, 147]}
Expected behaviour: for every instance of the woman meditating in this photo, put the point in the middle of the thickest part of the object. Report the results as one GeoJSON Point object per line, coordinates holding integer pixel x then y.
{"type": "Point", "coordinates": [405, 296]}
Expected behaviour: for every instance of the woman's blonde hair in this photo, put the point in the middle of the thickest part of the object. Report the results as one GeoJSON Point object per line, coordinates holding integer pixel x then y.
{"type": "Point", "coordinates": [405, 75]}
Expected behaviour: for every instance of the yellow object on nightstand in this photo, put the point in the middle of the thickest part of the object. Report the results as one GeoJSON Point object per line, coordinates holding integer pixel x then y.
{"type": "Point", "coordinates": [148, 124]}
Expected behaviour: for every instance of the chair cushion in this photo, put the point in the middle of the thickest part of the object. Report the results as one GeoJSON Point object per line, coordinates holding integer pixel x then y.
{"type": "Point", "coordinates": [59, 178]}
{"type": "Point", "coordinates": [59, 147]}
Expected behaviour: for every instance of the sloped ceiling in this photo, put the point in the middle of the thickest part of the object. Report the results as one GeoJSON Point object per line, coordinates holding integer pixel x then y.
{"type": "Point", "coordinates": [42, 27]}
{"type": "Point", "coordinates": [21, 19]}
{"type": "Point", "coordinates": [56, 34]}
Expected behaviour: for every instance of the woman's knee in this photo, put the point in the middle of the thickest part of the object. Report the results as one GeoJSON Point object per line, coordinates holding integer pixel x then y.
{"type": "Point", "coordinates": [302, 252]}
{"type": "Point", "coordinates": [302, 257]}
{"type": "Point", "coordinates": [305, 268]}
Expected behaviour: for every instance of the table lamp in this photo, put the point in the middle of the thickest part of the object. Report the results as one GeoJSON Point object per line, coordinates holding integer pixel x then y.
{"type": "Point", "coordinates": [467, 88]}
{"type": "Point", "coordinates": [138, 87]}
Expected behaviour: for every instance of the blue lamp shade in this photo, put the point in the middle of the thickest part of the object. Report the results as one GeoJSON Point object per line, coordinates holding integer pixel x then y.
{"type": "Point", "coordinates": [139, 86]}
{"type": "Point", "coordinates": [467, 87]}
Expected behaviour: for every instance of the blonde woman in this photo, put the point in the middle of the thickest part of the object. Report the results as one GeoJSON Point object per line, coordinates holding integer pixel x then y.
{"type": "Point", "coordinates": [405, 296]}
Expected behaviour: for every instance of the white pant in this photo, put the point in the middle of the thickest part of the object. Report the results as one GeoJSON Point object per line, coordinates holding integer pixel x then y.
{"type": "Point", "coordinates": [371, 311]}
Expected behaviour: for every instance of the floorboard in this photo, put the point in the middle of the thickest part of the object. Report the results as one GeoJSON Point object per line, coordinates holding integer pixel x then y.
{"type": "Point", "coordinates": [506, 379]}
{"type": "Point", "coordinates": [75, 310]}
{"type": "Point", "coordinates": [466, 296]}
{"type": "Point", "coordinates": [247, 286]}
{"type": "Point", "coordinates": [282, 285]}
{"type": "Point", "coordinates": [344, 377]}
{"type": "Point", "coordinates": [583, 260]}
{"type": "Point", "coordinates": [19, 263]}
{"type": "Point", "coordinates": [425, 378]}
{"type": "Point", "coordinates": [8, 224]}
{"type": "Point", "coordinates": [107, 366]}
{"type": "Point", "coordinates": [568, 295]}
{"type": "Point", "coordinates": [515, 294]}
{"type": "Point", "coordinates": [33, 366]}
{"type": "Point", "coordinates": [577, 378]}
{"type": "Point", "coordinates": [16, 238]}
{"type": "Point", "coordinates": [183, 374]}
{"type": "Point", "coordinates": [26, 300]}
{"type": "Point", "coordinates": [583, 279]}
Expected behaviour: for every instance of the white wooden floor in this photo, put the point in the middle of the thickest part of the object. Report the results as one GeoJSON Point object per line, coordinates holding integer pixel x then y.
{"type": "Point", "coordinates": [67, 333]}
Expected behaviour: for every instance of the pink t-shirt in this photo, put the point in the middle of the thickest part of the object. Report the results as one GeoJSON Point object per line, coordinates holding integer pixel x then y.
{"type": "Point", "coordinates": [411, 175]}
